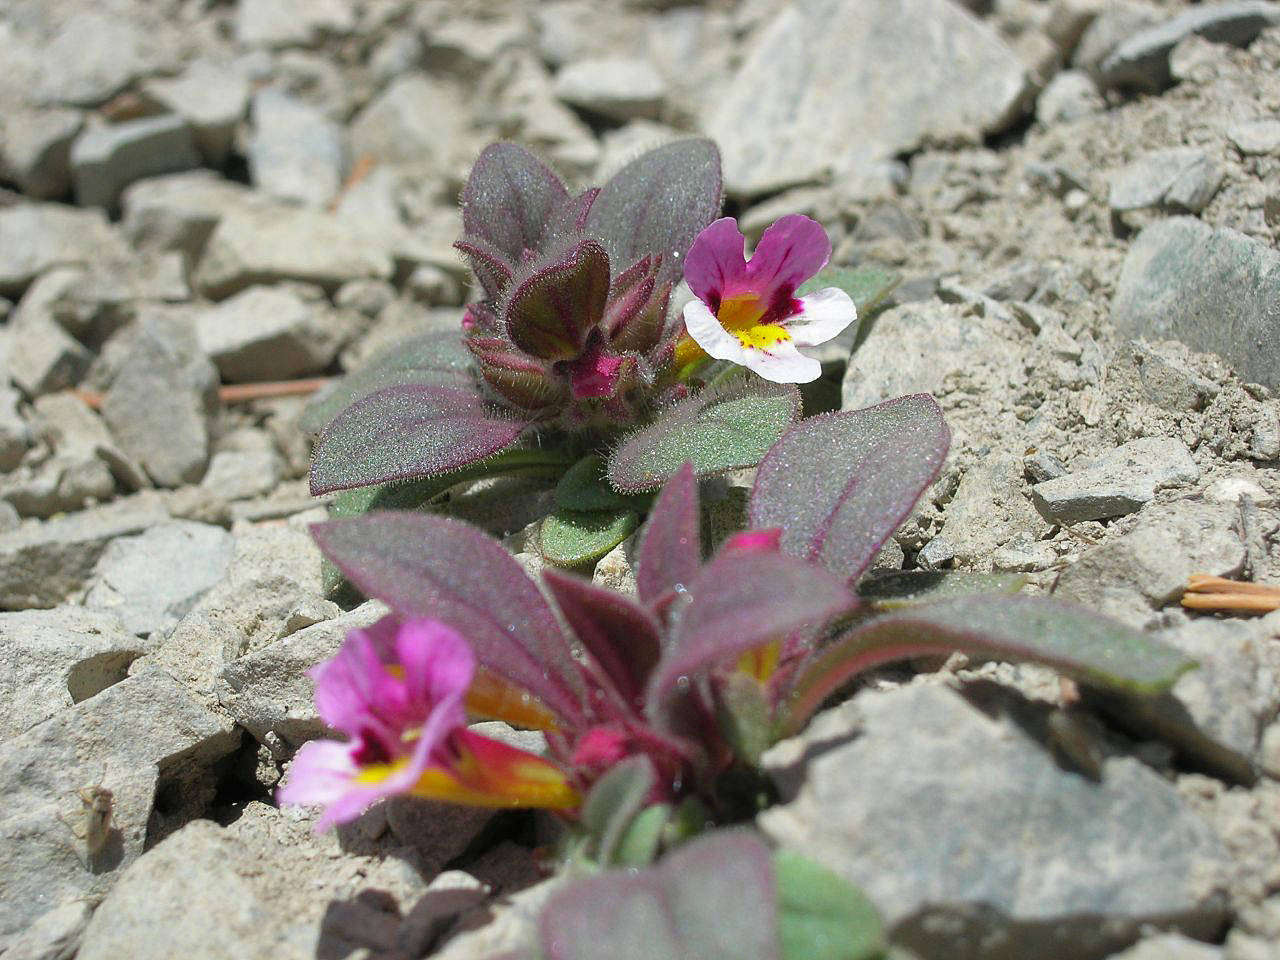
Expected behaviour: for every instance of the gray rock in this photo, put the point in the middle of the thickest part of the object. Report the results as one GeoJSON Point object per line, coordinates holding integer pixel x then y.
{"type": "Point", "coordinates": [15, 435]}
{"type": "Point", "coordinates": [370, 212]}
{"type": "Point", "coordinates": [468, 46]}
{"type": "Point", "coordinates": [93, 56]}
{"type": "Point", "coordinates": [1111, 23]}
{"type": "Point", "coordinates": [1024, 554]}
{"type": "Point", "coordinates": [171, 439]}
{"type": "Point", "coordinates": [211, 98]}
{"type": "Point", "coordinates": [1142, 61]}
{"type": "Point", "coordinates": [35, 237]}
{"type": "Point", "coordinates": [67, 424]}
{"type": "Point", "coordinates": [1215, 290]}
{"type": "Point", "coordinates": [366, 297]}
{"type": "Point", "coordinates": [269, 693]}
{"type": "Point", "coordinates": [524, 102]}
{"type": "Point", "coordinates": [179, 211]}
{"type": "Point", "coordinates": [36, 149]}
{"type": "Point", "coordinates": [1181, 178]}
{"type": "Point", "coordinates": [105, 160]}
{"type": "Point", "coordinates": [44, 564]}
{"type": "Point", "coordinates": [616, 569]}
{"type": "Point", "coordinates": [273, 333]}
{"type": "Point", "coordinates": [622, 88]}
{"type": "Point", "coordinates": [1258, 137]}
{"type": "Point", "coordinates": [417, 121]}
{"type": "Point", "coordinates": [296, 153]}
{"type": "Point", "coordinates": [1070, 95]}
{"type": "Point", "coordinates": [142, 739]}
{"type": "Point", "coordinates": [1132, 575]}
{"type": "Point", "coordinates": [1215, 714]}
{"type": "Point", "coordinates": [269, 244]}
{"type": "Point", "coordinates": [54, 659]}
{"type": "Point", "coordinates": [1041, 466]}
{"type": "Point", "coordinates": [56, 485]}
{"type": "Point", "coordinates": [44, 356]}
{"type": "Point", "coordinates": [1170, 946]}
{"type": "Point", "coordinates": [989, 508]}
{"type": "Point", "coordinates": [152, 579]}
{"type": "Point", "coordinates": [54, 935]}
{"type": "Point", "coordinates": [965, 832]}
{"type": "Point", "coordinates": [936, 554]}
{"type": "Point", "coordinates": [284, 23]}
{"type": "Point", "coordinates": [1119, 482]}
{"type": "Point", "coordinates": [894, 74]}
{"type": "Point", "coordinates": [242, 474]}
{"type": "Point", "coordinates": [1160, 374]}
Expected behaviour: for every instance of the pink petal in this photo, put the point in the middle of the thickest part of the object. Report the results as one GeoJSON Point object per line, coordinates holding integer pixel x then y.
{"type": "Point", "coordinates": [761, 541]}
{"type": "Point", "coordinates": [322, 774]}
{"type": "Point", "coordinates": [595, 373]}
{"type": "Point", "coordinates": [822, 317]}
{"type": "Point", "coordinates": [438, 663]}
{"type": "Point", "coordinates": [350, 683]}
{"type": "Point", "coordinates": [715, 262]}
{"type": "Point", "coordinates": [791, 251]}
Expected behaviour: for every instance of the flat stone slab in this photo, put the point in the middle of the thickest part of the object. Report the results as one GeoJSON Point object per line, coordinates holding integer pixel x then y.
{"type": "Point", "coordinates": [1215, 290]}
{"type": "Point", "coordinates": [1119, 482]}
{"type": "Point", "coordinates": [37, 236]}
{"type": "Point", "coordinates": [973, 841]}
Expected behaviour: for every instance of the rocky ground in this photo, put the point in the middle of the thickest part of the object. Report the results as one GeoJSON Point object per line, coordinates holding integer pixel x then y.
{"type": "Point", "coordinates": [1083, 197]}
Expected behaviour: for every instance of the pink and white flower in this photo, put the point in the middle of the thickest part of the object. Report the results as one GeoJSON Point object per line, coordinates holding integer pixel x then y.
{"type": "Point", "coordinates": [747, 311]}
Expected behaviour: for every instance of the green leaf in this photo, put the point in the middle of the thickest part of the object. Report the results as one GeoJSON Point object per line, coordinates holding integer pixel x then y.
{"type": "Point", "coordinates": [575, 538]}
{"type": "Point", "coordinates": [744, 716]}
{"type": "Point", "coordinates": [561, 299]}
{"type": "Point", "coordinates": [910, 588]}
{"type": "Point", "coordinates": [639, 843]}
{"type": "Point", "coordinates": [719, 429]}
{"type": "Point", "coordinates": [867, 286]}
{"type": "Point", "coordinates": [585, 486]}
{"type": "Point", "coordinates": [613, 803]}
{"type": "Point", "coordinates": [1072, 640]}
{"type": "Point", "coordinates": [821, 916]}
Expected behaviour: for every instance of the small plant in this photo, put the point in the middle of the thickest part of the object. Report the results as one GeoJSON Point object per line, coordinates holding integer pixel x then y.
{"type": "Point", "coordinates": [574, 348]}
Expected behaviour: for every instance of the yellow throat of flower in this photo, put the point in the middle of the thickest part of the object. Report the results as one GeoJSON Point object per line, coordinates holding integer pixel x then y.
{"type": "Point", "coordinates": [741, 315]}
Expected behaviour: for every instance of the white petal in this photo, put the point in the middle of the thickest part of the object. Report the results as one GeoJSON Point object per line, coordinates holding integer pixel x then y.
{"type": "Point", "coordinates": [824, 315]}
{"type": "Point", "coordinates": [783, 363]}
{"type": "Point", "coordinates": [710, 335]}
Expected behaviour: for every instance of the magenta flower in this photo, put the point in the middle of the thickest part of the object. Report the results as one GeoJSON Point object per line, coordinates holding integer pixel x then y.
{"type": "Point", "coordinates": [748, 313]}
{"type": "Point", "coordinates": [397, 690]}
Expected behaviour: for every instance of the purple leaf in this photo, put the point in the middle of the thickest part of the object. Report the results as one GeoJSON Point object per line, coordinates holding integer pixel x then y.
{"type": "Point", "coordinates": [431, 360]}
{"type": "Point", "coordinates": [509, 198]}
{"type": "Point", "coordinates": [490, 265]}
{"type": "Point", "coordinates": [839, 484]}
{"type": "Point", "coordinates": [551, 311]}
{"type": "Point", "coordinates": [515, 376]}
{"type": "Point", "coordinates": [714, 897]}
{"type": "Point", "coordinates": [568, 218]}
{"type": "Point", "coordinates": [437, 567]}
{"type": "Point", "coordinates": [410, 431]}
{"type": "Point", "coordinates": [620, 635]}
{"type": "Point", "coordinates": [741, 600]}
{"type": "Point", "coordinates": [1070, 639]}
{"type": "Point", "coordinates": [670, 552]}
{"type": "Point", "coordinates": [659, 203]}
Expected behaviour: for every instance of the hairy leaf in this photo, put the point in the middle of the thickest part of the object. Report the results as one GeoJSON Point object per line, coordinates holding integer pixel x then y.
{"type": "Point", "coordinates": [721, 428]}
{"type": "Point", "coordinates": [866, 286]}
{"type": "Point", "coordinates": [714, 897]}
{"type": "Point", "coordinates": [410, 431]}
{"type": "Point", "coordinates": [551, 311]}
{"type": "Point", "coordinates": [910, 588]}
{"type": "Point", "coordinates": [669, 552]}
{"type": "Point", "coordinates": [1070, 639]}
{"type": "Point", "coordinates": [490, 265]}
{"type": "Point", "coordinates": [741, 600]}
{"type": "Point", "coordinates": [839, 484]}
{"type": "Point", "coordinates": [639, 843]}
{"type": "Point", "coordinates": [821, 916]}
{"type": "Point", "coordinates": [575, 538]}
{"type": "Point", "coordinates": [613, 803]}
{"type": "Point", "coordinates": [659, 203]}
{"type": "Point", "coordinates": [440, 568]}
{"type": "Point", "coordinates": [431, 360]}
{"type": "Point", "coordinates": [568, 218]}
{"type": "Point", "coordinates": [509, 198]}
{"type": "Point", "coordinates": [585, 486]}
{"type": "Point", "coordinates": [744, 715]}
{"type": "Point", "coordinates": [621, 636]}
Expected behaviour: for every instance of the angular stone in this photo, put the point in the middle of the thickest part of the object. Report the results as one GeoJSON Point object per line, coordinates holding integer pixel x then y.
{"type": "Point", "coordinates": [152, 579]}
{"type": "Point", "coordinates": [269, 693]}
{"type": "Point", "coordinates": [36, 149]}
{"type": "Point", "coordinates": [105, 160]}
{"type": "Point", "coordinates": [1142, 61]}
{"type": "Point", "coordinates": [37, 236]}
{"type": "Point", "coordinates": [1070, 95]}
{"type": "Point", "coordinates": [211, 98]}
{"type": "Point", "coordinates": [56, 485]}
{"type": "Point", "coordinates": [295, 153]}
{"type": "Point", "coordinates": [242, 474]}
{"type": "Point", "coordinates": [15, 435]}
{"type": "Point", "coordinates": [416, 121]}
{"type": "Point", "coordinates": [895, 73]}
{"type": "Point", "coordinates": [1170, 946]}
{"type": "Point", "coordinates": [1183, 178]}
{"type": "Point", "coordinates": [179, 211]}
{"type": "Point", "coordinates": [1132, 575]}
{"type": "Point", "coordinates": [143, 739]}
{"type": "Point", "coordinates": [54, 659]}
{"type": "Point", "coordinates": [1258, 137]}
{"type": "Point", "coordinates": [273, 333]}
{"type": "Point", "coordinates": [989, 508]}
{"type": "Point", "coordinates": [622, 88]}
{"type": "Point", "coordinates": [94, 55]}
{"type": "Point", "coordinates": [965, 832]}
{"type": "Point", "coordinates": [1118, 482]}
{"type": "Point", "coordinates": [284, 23]}
{"type": "Point", "coordinates": [269, 244]}
{"type": "Point", "coordinates": [44, 356]}
{"type": "Point", "coordinates": [1215, 290]}
{"type": "Point", "coordinates": [68, 425]}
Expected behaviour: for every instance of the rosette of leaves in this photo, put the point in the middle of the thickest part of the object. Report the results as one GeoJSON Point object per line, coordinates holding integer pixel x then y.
{"type": "Point", "coordinates": [571, 345]}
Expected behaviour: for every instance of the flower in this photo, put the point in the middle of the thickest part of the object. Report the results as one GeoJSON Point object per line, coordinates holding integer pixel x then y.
{"type": "Point", "coordinates": [747, 312]}
{"type": "Point", "coordinates": [397, 690]}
